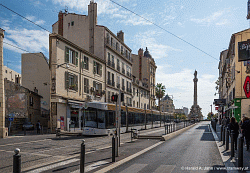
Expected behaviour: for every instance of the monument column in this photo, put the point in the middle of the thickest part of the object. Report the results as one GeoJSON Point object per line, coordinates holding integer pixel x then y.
{"type": "Point", "coordinates": [195, 87]}
{"type": "Point", "coordinates": [2, 95]}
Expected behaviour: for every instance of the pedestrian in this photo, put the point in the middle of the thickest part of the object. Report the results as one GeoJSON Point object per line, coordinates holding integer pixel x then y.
{"type": "Point", "coordinates": [246, 130]}
{"type": "Point", "coordinates": [234, 128]}
{"type": "Point", "coordinates": [38, 127]}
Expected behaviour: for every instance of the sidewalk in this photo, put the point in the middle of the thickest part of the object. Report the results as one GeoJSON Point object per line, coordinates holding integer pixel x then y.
{"type": "Point", "coordinates": [246, 154]}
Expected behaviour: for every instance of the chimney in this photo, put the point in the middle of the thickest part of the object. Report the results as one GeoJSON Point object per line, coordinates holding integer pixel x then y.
{"type": "Point", "coordinates": [60, 23]}
{"type": "Point", "coordinates": [120, 35]}
{"type": "Point", "coordinates": [140, 52]}
{"type": "Point", "coordinates": [92, 15]}
{"type": "Point", "coordinates": [35, 90]}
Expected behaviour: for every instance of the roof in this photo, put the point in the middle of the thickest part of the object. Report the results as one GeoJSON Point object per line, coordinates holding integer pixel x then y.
{"type": "Point", "coordinates": [166, 98]}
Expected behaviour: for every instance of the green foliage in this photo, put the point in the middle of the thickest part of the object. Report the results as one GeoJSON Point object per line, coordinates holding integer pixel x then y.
{"type": "Point", "coordinates": [209, 116]}
{"type": "Point", "coordinates": [159, 92]}
{"type": "Point", "coordinates": [180, 116]}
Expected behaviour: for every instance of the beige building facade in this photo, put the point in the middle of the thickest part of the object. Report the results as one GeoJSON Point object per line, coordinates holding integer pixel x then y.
{"type": "Point", "coordinates": [144, 69]}
{"type": "Point", "coordinates": [36, 76]}
{"type": "Point", "coordinates": [232, 75]}
{"type": "Point", "coordinates": [12, 75]}
{"type": "Point", "coordinates": [167, 104]}
{"type": "Point", "coordinates": [83, 31]}
{"type": "Point", "coordinates": [77, 77]}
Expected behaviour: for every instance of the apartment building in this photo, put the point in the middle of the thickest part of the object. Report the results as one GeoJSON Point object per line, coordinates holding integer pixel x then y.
{"type": "Point", "coordinates": [11, 75]}
{"type": "Point", "coordinates": [36, 76]}
{"type": "Point", "coordinates": [144, 69]}
{"type": "Point", "coordinates": [83, 31]}
{"type": "Point", "coordinates": [77, 77]}
{"type": "Point", "coordinates": [167, 104]}
{"type": "Point", "coordinates": [232, 75]}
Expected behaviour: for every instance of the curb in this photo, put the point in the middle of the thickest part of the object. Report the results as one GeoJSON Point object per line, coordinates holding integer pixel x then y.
{"type": "Point", "coordinates": [174, 134]}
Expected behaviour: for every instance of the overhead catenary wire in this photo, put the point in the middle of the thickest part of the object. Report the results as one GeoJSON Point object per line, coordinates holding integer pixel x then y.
{"type": "Point", "coordinates": [25, 18]}
{"type": "Point", "coordinates": [164, 30]}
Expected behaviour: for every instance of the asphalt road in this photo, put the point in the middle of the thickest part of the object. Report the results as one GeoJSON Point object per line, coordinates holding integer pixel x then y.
{"type": "Point", "coordinates": [193, 151]}
{"type": "Point", "coordinates": [43, 150]}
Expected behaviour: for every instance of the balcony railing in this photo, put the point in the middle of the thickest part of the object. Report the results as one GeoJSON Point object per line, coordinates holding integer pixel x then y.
{"type": "Point", "coordinates": [113, 64]}
{"type": "Point", "coordinates": [113, 84]}
{"type": "Point", "coordinates": [118, 67]}
{"type": "Point", "coordinates": [128, 74]}
{"type": "Point", "coordinates": [109, 82]}
{"type": "Point", "coordinates": [118, 86]}
{"type": "Point", "coordinates": [109, 63]}
{"type": "Point", "coordinates": [123, 88]}
{"type": "Point", "coordinates": [123, 71]}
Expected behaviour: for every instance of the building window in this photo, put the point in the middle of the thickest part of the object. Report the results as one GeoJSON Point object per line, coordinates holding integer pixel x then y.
{"type": "Point", "coordinates": [31, 101]}
{"type": "Point", "coordinates": [137, 104]}
{"type": "Point", "coordinates": [118, 64]}
{"type": "Point", "coordinates": [137, 92]}
{"type": "Point", "coordinates": [6, 71]}
{"type": "Point", "coordinates": [72, 23]}
{"type": "Point", "coordinates": [85, 63]}
{"type": "Point", "coordinates": [98, 88]}
{"type": "Point", "coordinates": [113, 79]}
{"type": "Point", "coordinates": [71, 81]}
{"type": "Point", "coordinates": [97, 68]}
{"type": "Point", "coordinates": [86, 85]}
{"type": "Point", "coordinates": [71, 56]}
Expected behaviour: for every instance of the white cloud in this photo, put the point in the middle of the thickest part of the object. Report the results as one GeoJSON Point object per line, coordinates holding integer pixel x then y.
{"type": "Point", "coordinates": [148, 39]}
{"type": "Point", "coordinates": [31, 17]}
{"type": "Point", "coordinates": [217, 18]}
{"type": "Point", "coordinates": [30, 40]}
{"type": "Point", "coordinates": [181, 86]}
{"type": "Point", "coordinates": [40, 22]}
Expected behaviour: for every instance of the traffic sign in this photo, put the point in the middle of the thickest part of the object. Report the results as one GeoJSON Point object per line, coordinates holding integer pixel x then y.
{"type": "Point", "coordinates": [246, 86]}
{"type": "Point", "coordinates": [11, 119]}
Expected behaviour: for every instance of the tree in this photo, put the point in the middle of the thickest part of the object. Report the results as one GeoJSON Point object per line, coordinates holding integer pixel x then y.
{"type": "Point", "coordinates": [209, 116]}
{"type": "Point", "coordinates": [159, 93]}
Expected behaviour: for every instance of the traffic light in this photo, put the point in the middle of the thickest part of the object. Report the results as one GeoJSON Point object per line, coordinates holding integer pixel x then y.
{"type": "Point", "coordinates": [114, 98]}
{"type": "Point", "coordinates": [122, 97]}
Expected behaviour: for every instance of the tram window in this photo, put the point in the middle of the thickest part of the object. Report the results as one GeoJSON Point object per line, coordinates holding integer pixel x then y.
{"type": "Point", "coordinates": [123, 118]}
{"type": "Point", "coordinates": [110, 119]}
{"type": "Point", "coordinates": [90, 118]}
{"type": "Point", "coordinates": [101, 119]}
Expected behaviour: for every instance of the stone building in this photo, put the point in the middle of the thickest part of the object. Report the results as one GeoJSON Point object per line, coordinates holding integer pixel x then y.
{"type": "Point", "coordinates": [144, 69]}
{"type": "Point", "coordinates": [22, 105]}
{"type": "Point", "coordinates": [77, 77]}
{"type": "Point", "coordinates": [83, 31]}
{"type": "Point", "coordinates": [167, 104]}
{"type": "Point", "coordinates": [12, 75]}
{"type": "Point", "coordinates": [232, 76]}
{"type": "Point", "coordinates": [36, 76]}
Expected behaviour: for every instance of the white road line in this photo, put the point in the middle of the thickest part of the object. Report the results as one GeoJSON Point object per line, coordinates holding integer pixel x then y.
{"type": "Point", "coordinates": [54, 166]}
{"type": "Point", "coordinates": [92, 166]}
{"type": "Point", "coordinates": [165, 169]}
{"type": "Point", "coordinates": [116, 164]}
{"type": "Point", "coordinates": [134, 168]}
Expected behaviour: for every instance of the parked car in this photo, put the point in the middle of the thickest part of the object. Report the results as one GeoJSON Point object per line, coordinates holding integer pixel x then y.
{"type": "Point", "coordinates": [28, 126]}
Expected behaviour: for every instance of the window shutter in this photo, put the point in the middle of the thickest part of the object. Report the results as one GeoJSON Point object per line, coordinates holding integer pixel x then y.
{"type": "Point", "coordinates": [76, 82]}
{"type": "Point", "coordinates": [94, 70]}
{"type": "Point", "coordinates": [66, 80]}
{"type": "Point", "coordinates": [87, 85]}
{"type": "Point", "coordinates": [76, 56]}
{"type": "Point", "coordinates": [66, 54]}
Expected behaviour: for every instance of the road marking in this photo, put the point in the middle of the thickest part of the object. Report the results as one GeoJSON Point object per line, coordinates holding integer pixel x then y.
{"type": "Point", "coordinates": [25, 142]}
{"type": "Point", "coordinates": [92, 166]}
{"type": "Point", "coordinates": [165, 169]}
{"type": "Point", "coordinates": [134, 168]}
{"type": "Point", "coordinates": [116, 164]}
{"type": "Point", "coordinates": [53, 166]}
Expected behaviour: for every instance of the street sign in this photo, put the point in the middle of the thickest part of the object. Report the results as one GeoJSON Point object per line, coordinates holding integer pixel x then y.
{"type": "Point", "coordinates": [218, 102]}
{"type": "Point", "coordinates": [11, 119]}
{"type": "Point", "coordinates": [246, 86]}
{"type": "Point", "coordinates": [216, 108]}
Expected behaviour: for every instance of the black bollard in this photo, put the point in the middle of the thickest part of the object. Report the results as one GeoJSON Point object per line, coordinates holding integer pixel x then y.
{"type": "Point", "coordinates": [232, 144]}
{"type": "Point", "coordinates": [240, 151]}
{"type": "Point", "coordinates": [165, 129]}
{"type": "Point", "coordinates": [223, 136]}
{"type": "Point", "coordinates": [227, 139]}
{"type": "Point", "coordinates": [82, 157]}
{"type": "Point", "coordinates": [17, 161]}
{"type": "Point", "coordinates": [221, 132]}
{"type": "Point", "coordinates": [113, 148]}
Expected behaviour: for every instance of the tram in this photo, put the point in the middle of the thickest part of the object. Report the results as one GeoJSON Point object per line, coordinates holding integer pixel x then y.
{"type": "Point", "coordinates": [100, 119]}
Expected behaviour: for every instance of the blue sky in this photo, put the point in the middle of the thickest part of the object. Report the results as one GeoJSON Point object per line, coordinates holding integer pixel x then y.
{"type": "Point", "coordinates": [206, 24]}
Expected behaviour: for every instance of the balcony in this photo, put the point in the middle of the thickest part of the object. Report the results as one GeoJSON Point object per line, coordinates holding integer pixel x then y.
{"type": "Point", "coordinates": [129, 90]}
{"type": "Point", "coordinates": [113, 84]}
{"type": "Point", "coordinates": [128, 74]}
{"type": "Point", "coordinates": [123, 71]}
{"type": "Point", "coordinates": [118, 68]}
{"type": "Point", "coordinates": [123, 88]}
{"type": "Point", "coordinates": [118, 86]}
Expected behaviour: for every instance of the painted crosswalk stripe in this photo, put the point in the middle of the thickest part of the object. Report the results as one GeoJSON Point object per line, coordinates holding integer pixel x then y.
{"type": "Point", "coordinates": [134, 168]}
{"type": "Point", "coordinates": [165, 169]}
{"type": "Point", "coordinates": [53, 166]}
{"type": "Point", "coordinates": [92, 166]}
